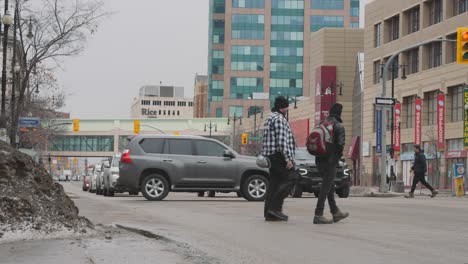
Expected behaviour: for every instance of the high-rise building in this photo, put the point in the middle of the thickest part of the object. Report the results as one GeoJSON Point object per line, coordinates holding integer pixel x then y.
{"type": "Point", "coordinates": [256, 49]}
{"type": "Point", "coordinates": [200, 96]}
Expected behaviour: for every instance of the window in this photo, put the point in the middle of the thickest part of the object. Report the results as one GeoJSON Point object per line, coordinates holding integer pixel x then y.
{"type": "Point", "coordinates": [435, 55]}
{"type": "Point", "coordinates": [159, 112]}
{"type": "Point", "coordinates": [283, 51]}
{"type": "Point", "coordinates": [248, 34]}
{"type": "Point", "coordinates": [288, 4]}
{"type": "Point", "coordinates": [435, 12]}
{"type": "Point", "coordinates": [218, 38]}
{"type": "Point", "coordinates": [318, 22]}
{"type": "Point", "coordinates": [412, 58]}
{"type": "Point", "coordinates": [219, 112]}
{"type": "Point", "coordinates": [281, 35]}
{"type": "Point", "coordinates": [286, 67]}
{"type": "Point", "coordinates": [164, 112]}
{"type": "Point", "coordinates": [156, 102]}
{"type": "Point", "coordinates": [460, 7]}
{"type": "Point", "coordinates": [292, 83]}
{"type": "Point", "coordinates": [287, 20]}
{"type": "Point", "coordinates": [248, 19]}
{"type": "Point", "coordinates": [412, 17]}
{"type": "Point", "coordinates": [179, 146]}
{"type": "Point", "coordinates": [190, 104]}
{"type": "Point", "coordinates": [178, 112]}
{"type": "Point", "coordinates": [377, 71]}
{"type": "Point", "coordinates": [354, 24]}
{"type": "Point", "coordinates": [390, 67]}
{"type": "Point", "coordinates": [407, 118]}
{"type": "Point", "coordinates": [328, 4]}
{"type": "Point", "coordinates": [145, 102]}
{"type": "Point", "coordinates": [455, 144]}
{"type": "Point", "coordinates": [455, 105]}
{"type": "Point", "coordinates": [236, 111]}
{"type": "Point", "coordinates": [393, 28]}
{"type": "Point", "coordinates": [451, 49]}
{"type": "Point", "coordinates": [246, 66]}
{"type": "Point", "coordinates": [218, 85]}
{"type": "Point", "coordinates": [248, 3]}
{"type": "Point", "coordinates": [209, 149]}
{"type": "Point", "coordinates": [219, 6]}
{"type": "Point", "coordinates": [408, 147]}
{"type": "Point", "coordinates": [152, 145]}
{"type": "Point", "coordinates": [247, 50]}
{"type": "Point", "coordinates": [354, 11]}
{"type": "Point", "coordinates": [378, 35]}
{"type": "Point", "coordinates": [249, 82]}
{"type": "Point", "coordinates": [430, 108]}
{"type": "Point", "coordinates": [218, 54]}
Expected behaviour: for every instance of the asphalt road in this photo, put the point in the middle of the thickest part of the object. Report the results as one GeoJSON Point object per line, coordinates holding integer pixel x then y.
{"type": "Point", "coordinates": [227, 229]}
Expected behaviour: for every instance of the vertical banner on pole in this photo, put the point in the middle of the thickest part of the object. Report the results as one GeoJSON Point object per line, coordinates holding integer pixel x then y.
{"type": "Point", "coordinates": [465, 119]}
{"type": "Point", "coordinates": [378, 121]}
{"type": "Point", "coordinates": [441, 122]}
{"type": "Point", "coordinates": [396, 128]}
{"type": "Point", "coordinates": [417, 121]}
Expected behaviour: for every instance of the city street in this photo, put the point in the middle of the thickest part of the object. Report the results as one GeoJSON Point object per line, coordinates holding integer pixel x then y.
{"type": "Point", "coordinates": [227, 229]}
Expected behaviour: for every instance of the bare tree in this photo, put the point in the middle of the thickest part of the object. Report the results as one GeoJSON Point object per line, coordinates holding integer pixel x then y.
{"type": "Point", "coordinates": [60, 29]}
{"type": "Point", "coordinates": [433, 151]}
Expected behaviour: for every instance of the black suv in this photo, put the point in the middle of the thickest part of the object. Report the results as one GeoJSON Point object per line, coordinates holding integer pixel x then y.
{"type": "Point", "coordinates": [312, 181]}
{"type": "Point", "coordinates": [157, 164]}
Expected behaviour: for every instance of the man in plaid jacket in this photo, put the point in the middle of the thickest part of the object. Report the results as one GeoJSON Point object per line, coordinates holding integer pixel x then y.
{"type": "Point", "coordinates": [278, 146]}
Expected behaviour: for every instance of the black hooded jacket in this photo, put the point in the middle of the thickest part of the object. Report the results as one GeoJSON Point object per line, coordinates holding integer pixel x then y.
{"type": "Point", "coordinates": [419, 165]}
{"type": "Point", "coordinates": [339, 136]}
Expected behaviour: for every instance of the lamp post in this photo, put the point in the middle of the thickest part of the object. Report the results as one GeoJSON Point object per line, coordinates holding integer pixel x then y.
{"type": "Point", "coordinates": [234, 120]}
{"type": "Point", "coordinates": [257, 110]}
{"type": "Point", "coordinates": [7, 20]}
{"type": "Point", "coordinates": [211, 126]}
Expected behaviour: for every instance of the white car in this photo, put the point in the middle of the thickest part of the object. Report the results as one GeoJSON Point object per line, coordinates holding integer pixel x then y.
{"type": "Point", "coordinates": [111, 175]}
{"type": "Point", "coordinates": [93, 177]}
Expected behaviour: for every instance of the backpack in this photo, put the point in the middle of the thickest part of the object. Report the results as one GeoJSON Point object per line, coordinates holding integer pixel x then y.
{"type": "Point", "coordinates": [318, 139]}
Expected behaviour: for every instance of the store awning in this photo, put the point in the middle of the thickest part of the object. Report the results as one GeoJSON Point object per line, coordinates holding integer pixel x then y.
{"type": "Point", "coordinates": [353, 151]}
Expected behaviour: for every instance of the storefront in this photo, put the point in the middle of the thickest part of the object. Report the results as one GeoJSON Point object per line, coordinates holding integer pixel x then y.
{"type": "Point", "coordinates": [455, 154]}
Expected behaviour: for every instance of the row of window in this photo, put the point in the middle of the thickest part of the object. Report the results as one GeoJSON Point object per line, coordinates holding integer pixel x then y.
{"type": "Point", "coordinates": [279, 35]}
{"type": "Point", "coordinates": [246, 66]}
{"type": "Point", "coordinates": [247, 50]}
{"type": "Point", "coordinates": [413, 20]}
{"type": "Point", "coordinates": [248, 34]}
{"type": "Point", "coordinates": [248, 19]}
{"type": "Point", "coordinates": [219, 85]}
{"type": "Point", "coordinates": [166, 103]}
{"type": "Point", "coordinates": [412, 63]}
{"type": "Point", "coordinates": [287, 20]}
{"type": "Point", "coordinates": [286, 67]}
{"type": "Point", "coordinates": [298, 4]}
{"type": "Point", "coordinates": [453, 113]}
{"type": "Point", "coordinates": [288, 4]}
{"type": "Point", "coordinates": [248, 3]}
{"type": "Point", "coordinates": [318, 22]}
{"type": "Point", "coordinates": [83, 143]}
{"type": "Point", "coordinates": [258, 50]}
{"type": "Point", "coordinates": [240, 81]}
{"type": "Point", "coordinates": [182, 147]}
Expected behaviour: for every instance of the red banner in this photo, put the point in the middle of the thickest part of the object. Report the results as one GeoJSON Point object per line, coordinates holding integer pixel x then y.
{"type": "Point", "coordinates": [396, 128]}
{"type": "Point", "coordinates": [417, 121]}
{"type": "Point", "coordinates": [441, 122]}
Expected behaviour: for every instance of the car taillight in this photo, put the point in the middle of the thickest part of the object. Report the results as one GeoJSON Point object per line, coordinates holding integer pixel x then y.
{"type": "Point", "coordinates": [125, 158]}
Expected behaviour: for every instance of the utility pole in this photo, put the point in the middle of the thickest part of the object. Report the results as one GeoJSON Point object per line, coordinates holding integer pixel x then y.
{"type": "Point", "coordinates": [234, 119]}
{"type": "Point", "coordinates": [257, 110]}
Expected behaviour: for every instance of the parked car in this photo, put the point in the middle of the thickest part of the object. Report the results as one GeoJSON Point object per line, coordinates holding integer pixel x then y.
{"type": "Point", "coordinates": [85, 183]}
{"type": "Point", "coordinates": [97, 170]}
{"type": "Point", "coordinates": [312, 181]}
{"type": "Point", "coordinates": [110, 176]}
{"type": "Point", "coordinates": [62, 177]}
{"type": "Point", "coordinates": [158, 164]}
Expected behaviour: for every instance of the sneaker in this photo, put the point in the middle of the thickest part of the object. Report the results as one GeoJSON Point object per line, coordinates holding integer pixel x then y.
{"type": "Point", "coordinates": [434, 193]}
{"type": "Point", "coordinates": [277, 215]}
{"type": "Point", "coordinates": [339, 216]}
{"type": "Point", "coordinates": [410, 195]}
{"type": "Point", "coordinates": [320, 219]}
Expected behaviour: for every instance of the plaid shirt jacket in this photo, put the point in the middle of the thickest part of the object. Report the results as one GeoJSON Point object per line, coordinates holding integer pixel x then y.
{"type": "Point", "coordinates": [278, 137]}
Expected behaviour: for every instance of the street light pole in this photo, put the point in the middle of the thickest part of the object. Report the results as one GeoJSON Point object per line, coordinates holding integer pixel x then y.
{"type": "Point", "coordinates": [234, 119]}
{"type": "Point", "coordinates": [6, 22]}
{"type": "Point", "coordinates": [211, 126]}
{"type": "Point", "coordinates": [256, 111]}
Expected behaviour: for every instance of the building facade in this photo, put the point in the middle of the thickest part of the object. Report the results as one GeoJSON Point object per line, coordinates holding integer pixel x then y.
{"type": "Point", "coordinates": [433, 80]}
{"type": "Point", "coordinates": [259, 49]}
{"type": "Point", "coordinates": [200, 96]}
{"type": "Point", "coordinates": [166, 102]}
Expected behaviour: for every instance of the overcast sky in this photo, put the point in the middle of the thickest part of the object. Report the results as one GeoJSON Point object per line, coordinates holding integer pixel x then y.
{"type": "Point", "coordinates": [144, 42]}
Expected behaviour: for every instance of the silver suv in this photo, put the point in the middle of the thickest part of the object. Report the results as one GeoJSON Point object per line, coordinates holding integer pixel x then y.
{"type": "Point", "coordinates": [157, 164]}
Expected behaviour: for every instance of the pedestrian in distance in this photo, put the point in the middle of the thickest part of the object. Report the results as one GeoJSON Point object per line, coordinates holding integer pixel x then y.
{"type": "Point", "coordinates": [419, 170]}
{"type": "Point", "coordinates": [278, 146]}
{"type": "Point", "coordinates": [327, 167]}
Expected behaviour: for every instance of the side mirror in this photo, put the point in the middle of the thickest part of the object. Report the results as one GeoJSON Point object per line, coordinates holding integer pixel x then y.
{"type": "Point", "coordinates": [228, 154]}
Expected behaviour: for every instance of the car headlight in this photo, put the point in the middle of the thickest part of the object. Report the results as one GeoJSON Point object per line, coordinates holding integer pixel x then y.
{"type": "Point", "coordinates": [346, 172]}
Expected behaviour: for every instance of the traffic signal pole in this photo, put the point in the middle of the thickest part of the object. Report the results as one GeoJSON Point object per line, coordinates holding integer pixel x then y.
{"type": "Point", "coordinates": [383, 157]}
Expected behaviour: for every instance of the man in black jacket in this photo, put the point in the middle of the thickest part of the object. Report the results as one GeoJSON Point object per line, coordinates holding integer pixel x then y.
{"type": "Point", "coordinates": [327, 167]}
{"type": "Point", "coordinates": [419, 169]}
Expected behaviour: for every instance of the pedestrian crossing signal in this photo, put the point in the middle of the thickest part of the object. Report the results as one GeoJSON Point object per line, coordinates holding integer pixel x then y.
{"type": "Point", "coordinates": [245, 138]}
{"type": "Point", "coordinates": [462, 45]}
{"type": "Point", "coordinates": [76, 125]}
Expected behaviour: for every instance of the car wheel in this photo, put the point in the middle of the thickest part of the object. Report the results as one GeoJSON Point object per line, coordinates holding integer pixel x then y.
{"type": "Point", "coordinates": [343, 192]}
{"type": "Point", "coordinates": [239, 194]}
{"type": "Point", "coordinates": [154, 187]}
{"type": "Point", "coordinates": [255, 187]}
{"type": "Point", "coordinates": [211, 193]}
{"type": "Point", "coordinates": [316, 194]}
{"type": "Point", "coordinates": [201, 194]}
{"type": "Point", "coordinates": [296, 191]}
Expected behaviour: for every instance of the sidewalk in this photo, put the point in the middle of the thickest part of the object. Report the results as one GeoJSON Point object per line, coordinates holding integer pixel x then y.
{"type": "Point", "coordinates": [361, 191]}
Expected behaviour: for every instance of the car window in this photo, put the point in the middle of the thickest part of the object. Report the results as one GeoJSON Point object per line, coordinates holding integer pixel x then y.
{"type": "Point", "coordinates": [180, 146]}
{"type": "Point", "coordinates": [208, 148]}
{"type": "Point", "coordinates": [152, 145]}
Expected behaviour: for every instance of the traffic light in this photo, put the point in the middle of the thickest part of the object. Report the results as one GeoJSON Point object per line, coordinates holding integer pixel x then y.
{"type": "Point", "coordinates": [245, 138]}
{"type": "Point", "coordinates": [136, 126]}
{"type": "Point", "coordinates": [462, 45]}
{"type": "Point", "coordinates": [76, 125]}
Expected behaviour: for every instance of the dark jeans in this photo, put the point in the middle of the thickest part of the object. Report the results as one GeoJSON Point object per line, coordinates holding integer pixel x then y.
{"type": "Point", "coordinates": [327, 168]}
{"type": "Point", "coordinates": [419, 177]}
{"type": "Point", "coordinates": [280, 184]}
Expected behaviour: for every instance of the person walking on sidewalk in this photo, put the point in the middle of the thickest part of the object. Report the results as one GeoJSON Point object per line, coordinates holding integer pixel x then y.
{"type": "Point", "coordinates": [327, 167]}
{"type": "Point", "coordinates": [278, 146]}
{"type": "Point", "coordinates": [419, 170]}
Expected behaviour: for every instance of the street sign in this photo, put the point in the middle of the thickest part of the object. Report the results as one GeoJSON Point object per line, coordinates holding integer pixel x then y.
{"type": "Point", "coordinates": [255, 138]}
{"type": "Point", "coordinates": [29, 122]}
{"type": "Point", "coordinates": [385, 101]}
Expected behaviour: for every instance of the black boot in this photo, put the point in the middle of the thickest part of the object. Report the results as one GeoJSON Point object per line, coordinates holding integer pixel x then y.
{"type": "Point", "coordinates": [276, 215]}
{"type": "Point", "coordinates": [339, 216]}
{"type": "Point", "coordinates": [320, 219]}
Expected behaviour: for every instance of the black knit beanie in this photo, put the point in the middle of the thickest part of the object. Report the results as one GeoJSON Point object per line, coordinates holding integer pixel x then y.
{"type": "Point", "coordinates": [281, 102]}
